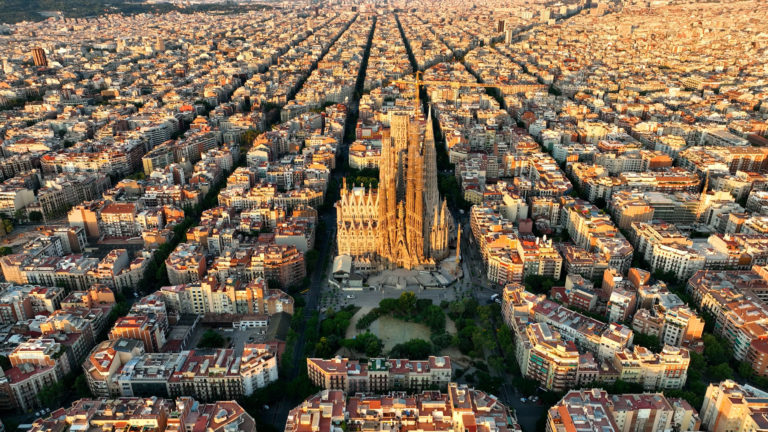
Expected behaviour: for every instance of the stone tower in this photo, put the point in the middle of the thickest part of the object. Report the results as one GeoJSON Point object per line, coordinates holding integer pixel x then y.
{"type": "Point", "coordinates": [412, 225]}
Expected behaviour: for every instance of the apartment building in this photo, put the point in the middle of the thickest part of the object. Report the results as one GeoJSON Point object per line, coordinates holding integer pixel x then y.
{"type": "Point", "coordinates": [508, 257]}
{"type": "Point", "coordinates": [578, 260]}
{"type": "Point", "coordinates": [185, 264]}
{"type": "Point", "coordinates": [151, 413]}
{"type": "Point", "coordinates": [627, 208]}
{"type": "Point", "coordinates": [545, 357]}
{"type": "Point", "coordinates": [665, 370]}
{"type": "Point", "coordinates": [732, 407]}
{"type": "Point", "coordinates": [14, 199]}
{"type": "Point", "coordinates": [208, 375]}
{"type": "Point", "coordinates": [148, 374]}
{"type": "Point", "coordinates": [283, 264]}
{"type": "Point", "coordinates": [21, 302]}
{"type": "Point", "coordinates": [20, 385]}
{"type": "Point", "coordinates": [42, 352]}
{"type": "Point", "coordinates": [66, 190]}
{"type": "Point", "coordinates": [258, 367]}
{"type": "Point", "coordinates": [578, 293]}
{"type": "Point", "coordinates": [146, 329]}
{"type": "Point", "coordinates": [228, 297]}
{"type": "Point", "coordinates": [734, 299]}
{"type": "Point", "coordinates": [459, 408]}
{"type": "Point", "coordinates": [86, 215]}
{"type": "Point", "coordinates": [364, 155]}
{"type": "Point", "coordinates": [379, 375]}
{"type": "Point", "coordinates": [104, 363]}
{"type": "Point", "coordinates": [593, 230]}
{"type": "Point", "coordinates": [595, 409]}
{"type": "Point", "coordinates": [118, 220]}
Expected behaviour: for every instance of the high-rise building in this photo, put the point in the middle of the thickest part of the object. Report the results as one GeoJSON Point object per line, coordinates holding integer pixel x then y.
{"type": "Point", "coordinates": [38, 56]}
{"type": "Point", "coordinates": [403, 223]}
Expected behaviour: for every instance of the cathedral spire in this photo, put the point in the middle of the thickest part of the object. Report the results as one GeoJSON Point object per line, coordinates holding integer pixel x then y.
{"type": "Point", "coordinates": [431, 194]}
{"type": "Point", "coordinates": [404, 225]}
{"type": "Point", "coordinates": [429, 134]}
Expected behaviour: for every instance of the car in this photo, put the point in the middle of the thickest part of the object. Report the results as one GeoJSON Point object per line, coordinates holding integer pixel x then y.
{"type": "Point", "coordinates": [350, 296]}
{"type": "Point", "coordinates": [523, 400]}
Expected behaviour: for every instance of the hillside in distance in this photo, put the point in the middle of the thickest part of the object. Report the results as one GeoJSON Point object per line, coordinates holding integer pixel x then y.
{"type": "Point", "coordinates": [12, 11]}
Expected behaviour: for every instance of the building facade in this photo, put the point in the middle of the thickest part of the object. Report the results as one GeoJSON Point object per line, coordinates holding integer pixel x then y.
{"type": "Point", "coordinates": [403, 223]}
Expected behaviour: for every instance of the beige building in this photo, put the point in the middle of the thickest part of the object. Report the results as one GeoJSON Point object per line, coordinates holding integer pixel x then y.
{"type": "Point", "coordinates": [545, 357]}
{"type": "Point", "coordinates": [13, 199]}
{"type": "Point", "coordinates": [185, 264]}
{"type": "Point", "coordinates": [402, 224]}
{"type": "Point", "coordinates": [228, 297]}
{"type": "Point", "coordinates": [665, 370]}
{"type": "Point", "coordinates": [731, 407]}
{"type": "Point", "coordinates": [380, 375]}
{"type": "Point", "coordinates": [86, 215]}
{"type": "Point", "coordinates": [596, 410]}
{"type": "Point", "coordinates": [105, 362]}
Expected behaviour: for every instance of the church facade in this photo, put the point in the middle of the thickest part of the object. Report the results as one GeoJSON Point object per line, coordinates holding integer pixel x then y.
{"type": "Point", "coordinates": [402, 224]}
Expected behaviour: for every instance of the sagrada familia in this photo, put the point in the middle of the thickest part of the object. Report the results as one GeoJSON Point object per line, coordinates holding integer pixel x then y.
{"type": "Point", "coordinates": [403, 224]}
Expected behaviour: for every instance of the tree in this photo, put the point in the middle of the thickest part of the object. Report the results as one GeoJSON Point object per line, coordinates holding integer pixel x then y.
{"type": "Point", "coordinates": [506, 340]}
{"type": "Point", "coordinates": [20, 214]}
{"type": "Point", "coordinates": [5, 250]}
{"type": "Point", "coordinates": [323, 348]}
{"type": "Point", "coordinates": [35, 216]}
{"type": "Point", "coordinates": [497, 363]}
{"type": "Point", "coordinates": [51, 394]}
{"type": "Point", "coordinates": [745, 370]}
{"type": "Point", "coordinates": [720, 372]}
{"type": "Point", "coordinates": [442, 340]}
{"type": "Point", "coordinates": [413, 349]}
{"type": "Point", "coordinates": [407, 303]}
{"type": "Point", "coordinates": [7, 225]}
{"type": "Point", "coordinates": [120, 309]}
{"type": "Point", "coordinates": [366, 343]}
{"type": "Point", "coordinates": [211, 339]}
{"type": "Point", "coordinates": [81, 387]}
{"type": "Point", "coordinates": [716, 351]}
{"type": "Point", "coordinates": [649, 341]}
{"type": "Point", "coordinates": [539, 284]}
{"type": "Point", "coordinates": [434, 318]}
